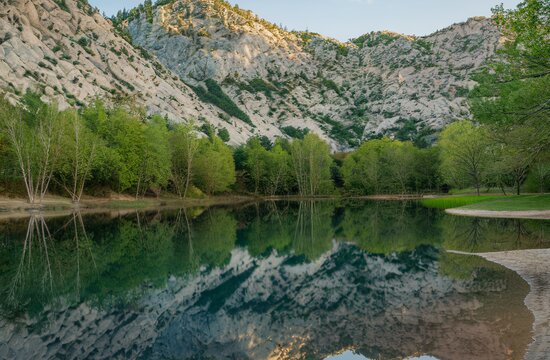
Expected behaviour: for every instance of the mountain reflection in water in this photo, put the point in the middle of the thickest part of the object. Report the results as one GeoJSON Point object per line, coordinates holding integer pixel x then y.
{"type": "Point", "coordinates": [265, 281]}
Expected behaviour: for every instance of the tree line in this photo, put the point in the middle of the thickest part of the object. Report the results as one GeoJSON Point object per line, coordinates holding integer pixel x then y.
{"type": "Point", "coordinates": [99, 149]}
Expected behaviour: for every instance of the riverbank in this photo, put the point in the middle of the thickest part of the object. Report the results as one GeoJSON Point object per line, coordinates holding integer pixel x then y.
{"type": "Point", "coordinates": [536, 215]}
{"type": "Point", "coordinates": [517, 207]}
{"type": "Point", "coordinates": [534, 267]}
{"type": "Point", "coordinates": [54, 206]}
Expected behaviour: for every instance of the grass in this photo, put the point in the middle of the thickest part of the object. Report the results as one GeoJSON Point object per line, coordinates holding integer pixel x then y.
{"type": "Point", "coordinates": [514, 203]}
{"type": "Point", "coordinates": [472, 191]}
{"type": "Point", "coordinates": [456, 201]}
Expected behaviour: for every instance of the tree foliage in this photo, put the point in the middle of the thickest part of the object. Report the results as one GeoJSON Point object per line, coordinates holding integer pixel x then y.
{"type": "Point", "coordinates": [464, 154]}
{"type": "Point", "coordinates": [311, 164]}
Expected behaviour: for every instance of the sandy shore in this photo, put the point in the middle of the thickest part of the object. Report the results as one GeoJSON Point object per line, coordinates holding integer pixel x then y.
{"type": "Point", "coordinates": [534, 267]}
{"type": "Point", "coordinates": [539, 215]}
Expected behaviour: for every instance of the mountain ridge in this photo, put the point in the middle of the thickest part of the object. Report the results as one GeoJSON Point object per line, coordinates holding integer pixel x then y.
{"type": "Point", "coordinates": [226, 66]}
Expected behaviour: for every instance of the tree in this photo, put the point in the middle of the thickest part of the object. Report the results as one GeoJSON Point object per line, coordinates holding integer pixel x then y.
{"type": "Point", "coordinates": [278, 170]}
{"type": "Point", "coordinates": [362, 170]}
{"type": "Point", "coordinates": [311, 163]}
{"type": "Point", "coordinates": [148, 8]}
{"type": "Point", "coordinates": [426, 170]}
{"type": "Point", "coordinates": [540, 172]}
{"type": "Point", "coordinates": [79, 150]}
{"type": "Point", "coordinates": [512, 97]}
{"type": "Point", "coordinates": [124, 134]}
{"type": "Point", "coordinates": [514, 158]}
{"type": "Point", "coordinates": [464, 154]}
{"type": "Point", "coordinates": [184, 145]}
{"type": "Point", "coordinates": [215, 168]}
{"type": "Point", "coordinates": [34, 137]}
{"type": "Point", "coordinates": [382, 165]}
{"type": "Point", "coordinates": [156, 159]}
{"type": "Point", "coordinates": [256, 162]}
{"type": "Point", "coordinates": [223, 134]}
{"type": "Point", "coordinates": [398, 164]}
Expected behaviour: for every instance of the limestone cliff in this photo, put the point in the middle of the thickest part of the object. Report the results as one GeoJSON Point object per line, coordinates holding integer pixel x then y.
{"type": "Point", "coordinates": [207, 60]}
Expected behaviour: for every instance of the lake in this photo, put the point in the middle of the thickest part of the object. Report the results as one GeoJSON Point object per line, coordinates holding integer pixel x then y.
{"type": "Point", "coordinates": [272, 280]}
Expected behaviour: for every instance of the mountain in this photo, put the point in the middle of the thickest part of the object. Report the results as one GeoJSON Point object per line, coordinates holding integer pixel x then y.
{"type": "Point", "coordinates": [71, 54]}
{"type": "Point", "coordinates": [209, 60]}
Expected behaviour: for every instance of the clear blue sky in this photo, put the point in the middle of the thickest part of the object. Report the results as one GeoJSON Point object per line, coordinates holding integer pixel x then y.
{"type": "Point", "coordinates": [344, 19]}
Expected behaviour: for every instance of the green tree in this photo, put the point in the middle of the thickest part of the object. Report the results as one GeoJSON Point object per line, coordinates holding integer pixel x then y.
{"type": "Point", "coordinates": [512, 97]}
{"type": "Point", "coordinates": [256, 162]}
{"type": "Point", "coordinates": [382, 165]}
{"type": "Point", "coordinates": [464, 154]}
{"type": "Point", "coordinates": [184, 145]}
{"type": "Point", "coordinates": [539, 176]}
{"type": "Point", "coordinates": [278, 170]}
{"type": "Point", "coordinates": [362, 171]}
{"type": "Point", "coordinates": [156, 163]}
{"type": "Point", "coordinates": [148, 8]}
{"type": "Point", "coordinates": [124, 134]}
{"type": "Point", "coordinates": [223, 134]}
{"type": "Point", "coordinates": [215, 167]}
{"type": "Point", "coordinates": [311, 164]}
{"type": "Point", "coordinates": [398, 165]}
{"type": "Point", "coordinates": [426, 171]}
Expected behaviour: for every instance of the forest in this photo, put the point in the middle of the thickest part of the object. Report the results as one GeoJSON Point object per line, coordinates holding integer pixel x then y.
{"type": "Point", "coordinates": [99, 149]}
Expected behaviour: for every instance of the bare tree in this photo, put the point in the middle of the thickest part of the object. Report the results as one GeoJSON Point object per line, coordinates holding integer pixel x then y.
{"type": "Point", "coordinates": [80, 149]}
{"type": "Point", "coordinates": [185, 146]}
{"type": "Point", "coordinates": [35, 140]}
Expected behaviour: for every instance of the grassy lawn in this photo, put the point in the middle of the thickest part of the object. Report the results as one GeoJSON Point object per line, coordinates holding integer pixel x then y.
{"type": "Point", "coordinates": [513, 203]}
{"type": "Point", "coordinates": [456, 201]}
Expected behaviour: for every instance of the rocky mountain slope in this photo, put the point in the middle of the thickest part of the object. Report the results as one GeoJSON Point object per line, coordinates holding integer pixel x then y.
{"type": "Point", "coordinates": [72, 55]}
{"type": "Point", "coordinates": [234, 70]}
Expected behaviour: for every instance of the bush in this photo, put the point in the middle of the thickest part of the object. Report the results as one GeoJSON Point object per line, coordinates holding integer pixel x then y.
{"type": "Point", "coordinates": [83, 41]}
{"type": "Point", "coordinates": [224, 134]}
{"type": "Point", "coordinates": [295, 133]}
{"type": "Point", "coordinates": [214, 94]}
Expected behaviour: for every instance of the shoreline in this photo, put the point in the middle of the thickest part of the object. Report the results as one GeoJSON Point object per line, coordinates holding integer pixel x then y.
{"type": "Point", "coordinates": [16, 208]}
{"type": "Point", "coordinates": [534, 267]}
{"type": "Point", "coordinates": [56, 206]}
{"type": "Point", "coordinates": [524, 214]}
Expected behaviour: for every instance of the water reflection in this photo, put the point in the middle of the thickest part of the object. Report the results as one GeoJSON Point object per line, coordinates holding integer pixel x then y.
{"type": "Point", "coordinates": [268, 280]}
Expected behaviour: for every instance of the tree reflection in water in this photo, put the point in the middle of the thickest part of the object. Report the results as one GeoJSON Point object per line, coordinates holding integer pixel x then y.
{"type": "Point", "coordinates": [232, 281]}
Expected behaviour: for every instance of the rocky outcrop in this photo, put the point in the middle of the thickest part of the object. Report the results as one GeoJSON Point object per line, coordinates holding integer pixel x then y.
{"type": "Point", "coordinates": [378, 83]}
{"type": "Point", "coordinates": [279, 81]}
{"type": "Point", "coordinates": [72, 55]}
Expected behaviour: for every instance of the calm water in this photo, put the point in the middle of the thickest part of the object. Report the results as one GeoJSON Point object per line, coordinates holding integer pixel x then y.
{"type": "Point", "coordinates": [307, 280]}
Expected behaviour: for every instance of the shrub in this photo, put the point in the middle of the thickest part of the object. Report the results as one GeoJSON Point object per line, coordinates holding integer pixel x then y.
{"type": "Point", "coordinates": [294, 132]}
{"type": "Point", "coordinates": [215, 95]}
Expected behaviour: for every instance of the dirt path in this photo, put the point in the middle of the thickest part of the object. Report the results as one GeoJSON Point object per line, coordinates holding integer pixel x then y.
{"type": "Point", "coordinates": [534, 267]}
{"type": "Point", "coordinates": [538, 215]}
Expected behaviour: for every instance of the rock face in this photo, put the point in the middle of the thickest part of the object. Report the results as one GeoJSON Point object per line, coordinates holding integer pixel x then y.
{"type": "Point", "coordinates": [72, 55]}
{"type": "Point", "coordinates": [380, 83]}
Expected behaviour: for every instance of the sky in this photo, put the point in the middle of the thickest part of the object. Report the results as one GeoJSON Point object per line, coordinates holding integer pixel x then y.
{"type": "Point", "coordinates": [346, 19]}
